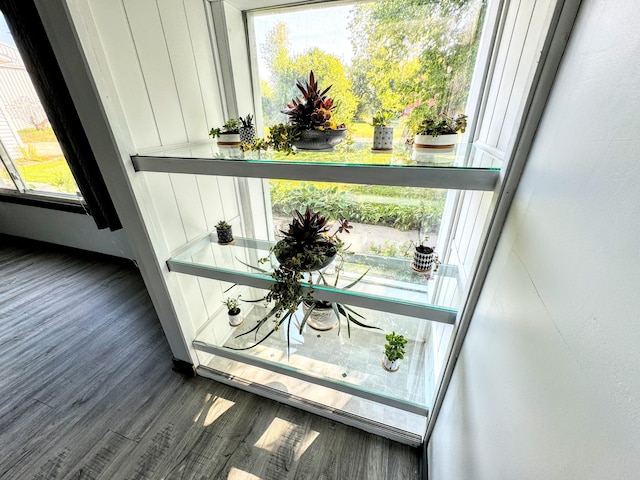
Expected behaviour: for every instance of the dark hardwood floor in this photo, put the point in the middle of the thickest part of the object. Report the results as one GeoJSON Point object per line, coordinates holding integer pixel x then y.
{"type": "Point", "coordinates": [87, 391]}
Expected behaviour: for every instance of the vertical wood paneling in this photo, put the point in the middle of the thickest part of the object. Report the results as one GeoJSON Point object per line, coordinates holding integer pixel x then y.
{"type": "Point", "coordinates": [204, 61]}
{"type": "Point", "coordinates": [150, 43]}
{"type": "Point", "coordinates": [528, 61]}
{"type": "Point", "coordinates": [133, 97]}
{"type": "Point", "coordinates": [507, 80]}
{"type": "Point", "coordinates": [185, 189]}
{"type": "Point", "coordinates": [183, 65]}
{"type": "Point", "coordinates": [477, 230]}
{"type": "Point", "coordinates": [500, 65]}
{"type": "Point", "coordinates": [164, 203]}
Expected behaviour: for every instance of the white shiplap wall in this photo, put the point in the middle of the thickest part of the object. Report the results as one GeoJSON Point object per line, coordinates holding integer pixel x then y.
{"type": "Point", "coordinates": [517, 52]}
{"type": "Point", "coordinates": [161, 61]}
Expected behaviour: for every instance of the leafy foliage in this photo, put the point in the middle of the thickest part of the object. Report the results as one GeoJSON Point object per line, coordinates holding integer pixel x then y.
{"type": "Point", "coordinates": [440, 125]}
{"type": "Point", "coordinates": [381, 119]}
{"type": "Point", "coordinates": [232, 305]}
{"type": "Point", "coordinates": [410, 52]}
{"type": "Point", "coordinates": [394, 349]}
{"type": "Point", "coordinates": [232, 125]}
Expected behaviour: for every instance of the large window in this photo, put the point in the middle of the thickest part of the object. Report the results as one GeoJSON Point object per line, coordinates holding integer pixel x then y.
{"type": "Point", "coordinates": [32, 161]}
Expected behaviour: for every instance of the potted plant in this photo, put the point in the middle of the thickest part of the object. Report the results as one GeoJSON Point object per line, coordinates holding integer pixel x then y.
{"type": "Point", "coordinates": [306, 247]}
{"type": "Point", "coordinates": [225, 234]}
{"type": "Point", "coordinates": [439, 131]}
{"type": "Point", "coordinates": [234, 312]}
{"type": "Point", "coordinates": [382, 132]}
{"type": "Point", "coordinates": [424, 257]}
{"type": "Point", "coordinates": [312, 117]}
{"type": "Point", "coordinates": [393, 352]}
{"type": "Point", "coordinates": [247, 130]}
{"type": "Point", "coordinates": [229, 134]}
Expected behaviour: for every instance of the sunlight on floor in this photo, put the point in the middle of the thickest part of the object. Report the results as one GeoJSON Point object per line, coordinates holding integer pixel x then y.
{"type": "Point", "coordinates": [217, 408]}
{"type": "Point", "coordinates": [283, 431]}
{"type": "Point", "coordinates": [237, 474]}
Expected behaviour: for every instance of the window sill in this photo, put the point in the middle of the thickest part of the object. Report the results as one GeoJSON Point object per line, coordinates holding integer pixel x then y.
{"type": "Point", "coordinates": [48, 200]}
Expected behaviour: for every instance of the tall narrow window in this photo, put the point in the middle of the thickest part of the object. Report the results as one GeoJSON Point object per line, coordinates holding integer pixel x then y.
{"type": "Point", "coordinates": [31, 151]}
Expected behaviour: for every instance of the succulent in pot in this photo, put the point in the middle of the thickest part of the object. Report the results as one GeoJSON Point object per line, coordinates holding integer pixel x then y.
{"type": "Point", "coordinates": [229, 134]}
{"type": "Point", "coordinates": [382, 132]}
{"type": "Point", "coordinates": [394, 351]}
{"type": "Point", "coordinates": [233, 311]}
{"type": "Point", "coordinates": [247, 130]}
{"type": "Point", "coordinates": [307, 244]}
{"type": "Point", "coordinates": [424, 257]}
{"type": "Point", "coordinates": [439, 131]}
{"type": "Point", "coordinates": [224, 232]}
{"type": "Point", "coordinates": [312, 117]}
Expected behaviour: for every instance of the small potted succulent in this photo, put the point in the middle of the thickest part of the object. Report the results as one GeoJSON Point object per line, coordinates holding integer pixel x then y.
{"type": "Point", "coordinates": [394, 351]}
{"type": "Point", "coordinates": [312, 116]}
{"type": "Point", "coordinates": [247, 130]}
{"type": "Point", "coordinates": [233, 311]}
{"type": "Point", "coordinates": [382, 132]}
{"type": "Point", "coordinates": [439, 131]}
{"type": "Point", "coordinates": [229, 134]}
{"type": "Point", "coordinates": [424, 257]}
{"type": "Point", "coordinates": [225, 234]}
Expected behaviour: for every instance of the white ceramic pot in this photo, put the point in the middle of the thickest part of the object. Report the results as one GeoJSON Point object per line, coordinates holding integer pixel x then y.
{"type": "Point", "coordinates": [382, 139]}
{"type": "Point", "coordinates": [229, 139]}
{"type": "Point", "coordinates": [390, 366]}
{"type": "Point", "coordinates": [423, 261]}
{"type": "Point", "coordinates": [322, 317]}
{"type": "Point", "coordinates": [236, 320]}
{"type": "Point", "coordinates": [441, 141]}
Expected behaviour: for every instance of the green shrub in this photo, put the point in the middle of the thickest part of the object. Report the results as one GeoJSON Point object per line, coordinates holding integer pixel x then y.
{"type": "Point", "coordinates": [379, 210]}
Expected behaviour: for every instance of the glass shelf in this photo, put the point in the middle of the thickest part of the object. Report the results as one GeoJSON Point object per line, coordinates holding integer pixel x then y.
{"type": "Point", "coordinates": [390, 285]}
{"type": "Point", "coordinates": [463, 166]}
{"type": "Point", "coordinates": [347, 362]}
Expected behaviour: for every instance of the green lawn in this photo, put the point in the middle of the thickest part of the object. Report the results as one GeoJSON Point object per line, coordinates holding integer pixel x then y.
{"type": "Point", "coordinates": [32, 135]}
{"type": "Point", "coordinates": [54, 172]}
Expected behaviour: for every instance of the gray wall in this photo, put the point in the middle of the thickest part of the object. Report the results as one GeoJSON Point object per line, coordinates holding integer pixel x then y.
{"type": "Point", "coordinates": [548, 382]}
{"type": "Point", "coordinates": [61, 228]}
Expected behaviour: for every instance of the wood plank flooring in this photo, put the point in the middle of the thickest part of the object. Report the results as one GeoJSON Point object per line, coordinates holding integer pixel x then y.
{"type": "Point", "coordinates": [87, 391]}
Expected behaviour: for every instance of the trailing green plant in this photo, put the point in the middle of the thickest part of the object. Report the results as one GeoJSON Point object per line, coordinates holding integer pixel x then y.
{"type": "Point", "coordinates": [394, 349]}
{"type": "Point", "coordinates": [231, 126]}
{"type": "Point", "coordinates": [280, 138]}
{"type": "Point", "coordinates": [381, 119]}
{"type": "Point", "coordinates": [307, 245]}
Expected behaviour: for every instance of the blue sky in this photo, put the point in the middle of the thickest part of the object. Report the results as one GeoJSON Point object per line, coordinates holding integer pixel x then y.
{"type": "Point", "coordinates": [5, 36]}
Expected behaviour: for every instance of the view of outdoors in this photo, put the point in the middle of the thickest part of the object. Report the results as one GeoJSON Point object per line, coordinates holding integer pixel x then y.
{"type": "Point", "coordinates": [25, 131]}
{"type": "Point", "coordinates": [402, 57]}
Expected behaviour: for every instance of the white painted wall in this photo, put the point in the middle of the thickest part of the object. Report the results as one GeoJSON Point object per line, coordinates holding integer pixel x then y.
{"type": "Point", "coordinates": [548, 382]}
{"type": "Point", "coordinates": [61, 228]}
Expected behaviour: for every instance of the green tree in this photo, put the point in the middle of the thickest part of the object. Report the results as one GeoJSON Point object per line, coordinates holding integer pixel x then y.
{"type": "Point", "coordinates": [287, 68]}
{"type": "Point", "coordinates": [414, 51]}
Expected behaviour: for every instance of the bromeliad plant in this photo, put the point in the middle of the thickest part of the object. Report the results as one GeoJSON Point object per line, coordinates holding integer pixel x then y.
{"type": "Point", "coordinates": [314, 111]}
{"type": "Point", "coordinates": [307, 246]}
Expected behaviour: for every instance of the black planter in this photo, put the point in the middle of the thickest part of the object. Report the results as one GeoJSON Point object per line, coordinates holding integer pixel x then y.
{"type": "Point", "coordinates": [225, 235]}
{"type": "Point", "coordinates": [282, 257]}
